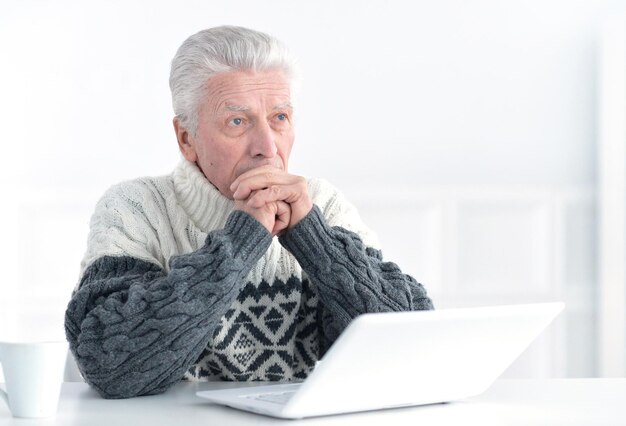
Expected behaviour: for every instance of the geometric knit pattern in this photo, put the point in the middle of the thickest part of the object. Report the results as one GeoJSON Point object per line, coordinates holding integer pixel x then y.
{"type": "Point", "coordinates": [270, 333]}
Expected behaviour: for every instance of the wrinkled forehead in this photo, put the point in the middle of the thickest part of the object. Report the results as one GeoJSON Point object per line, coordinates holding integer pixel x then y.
{"type": "Point", "coordinates": [239, 91]}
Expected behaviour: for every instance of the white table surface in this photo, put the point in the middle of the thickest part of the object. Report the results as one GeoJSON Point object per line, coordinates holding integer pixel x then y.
{"type": "Point", "coordinates": [507, 402]}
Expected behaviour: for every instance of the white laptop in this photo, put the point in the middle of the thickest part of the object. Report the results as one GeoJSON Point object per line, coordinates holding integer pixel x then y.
{"type": "Point", "coordinates": [400, 359]}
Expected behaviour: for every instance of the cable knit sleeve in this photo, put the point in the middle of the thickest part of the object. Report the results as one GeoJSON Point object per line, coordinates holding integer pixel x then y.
{"type": "Point", "coordinates": [351, 277]}
{"type": "Point", "coordinates": [134, 328]}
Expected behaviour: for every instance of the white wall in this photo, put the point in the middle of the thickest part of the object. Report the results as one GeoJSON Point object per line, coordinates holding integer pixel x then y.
{"type": "Point", "coordinates": [612, 200]}
{"type": "Point", "coordinates": [495, 97]}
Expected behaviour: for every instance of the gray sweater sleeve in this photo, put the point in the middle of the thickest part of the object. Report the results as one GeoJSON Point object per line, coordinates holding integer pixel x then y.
{"type": "Point", "coordinates": [351, 278]}
{"type": "Point", "coordinates": [135, 330]}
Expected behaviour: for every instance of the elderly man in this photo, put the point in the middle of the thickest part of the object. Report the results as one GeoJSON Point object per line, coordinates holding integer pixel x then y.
{"type": "Point", "coordinates": [230, 268]}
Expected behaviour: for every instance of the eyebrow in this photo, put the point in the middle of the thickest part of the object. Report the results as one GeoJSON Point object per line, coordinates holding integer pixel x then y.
{"type": "Point", "coordinates": [285, 105]}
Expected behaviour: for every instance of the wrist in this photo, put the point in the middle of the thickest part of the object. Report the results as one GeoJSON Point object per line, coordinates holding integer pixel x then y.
{"type": "Point", "coordinates": [255, 214]}
{"type": "Point", "coordinates": [299, 212]}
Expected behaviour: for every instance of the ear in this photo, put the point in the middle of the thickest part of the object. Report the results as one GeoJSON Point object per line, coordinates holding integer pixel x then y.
{"type": "Point", "coordinates": [185, 141]}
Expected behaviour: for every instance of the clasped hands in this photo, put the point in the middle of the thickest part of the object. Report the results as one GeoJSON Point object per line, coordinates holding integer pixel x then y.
{"type": "Point", "coordinates": [275, 198]}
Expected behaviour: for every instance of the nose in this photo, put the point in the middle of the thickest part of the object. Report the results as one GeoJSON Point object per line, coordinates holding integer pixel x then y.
{"type": "Point", "coordinates": [263, 142]}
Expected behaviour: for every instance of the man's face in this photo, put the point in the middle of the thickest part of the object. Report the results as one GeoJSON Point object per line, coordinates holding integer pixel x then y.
{"type": "Point", "coordinates": [245, 122]}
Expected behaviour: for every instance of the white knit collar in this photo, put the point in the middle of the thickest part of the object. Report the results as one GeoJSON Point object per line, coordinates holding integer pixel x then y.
{"type": "Point", "coordinates": [202, 201]}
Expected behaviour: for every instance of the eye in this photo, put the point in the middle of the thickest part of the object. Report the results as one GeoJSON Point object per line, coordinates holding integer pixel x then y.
{"type": "Point", "coordinates": [237, 121]}
{"type": "Point", "coordinates": [282, 117]}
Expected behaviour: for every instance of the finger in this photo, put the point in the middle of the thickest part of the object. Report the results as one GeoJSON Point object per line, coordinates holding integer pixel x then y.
{"type": "Point", "coordinates": [258, 182]}
{"type": "Point", "coordinates": [283, 217]}
{"type": "Point", "coordinates": [262, 180]}
{"type": "Point", "coordinates": [265, 196]}
{"type": "Point", "coordinates": [251, 173]}
{"type": "Point", "coordinates": [287, 193]}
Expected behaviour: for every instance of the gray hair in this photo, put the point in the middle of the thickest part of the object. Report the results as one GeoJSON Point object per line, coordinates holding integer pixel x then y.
{"type": "Point", "coordinates": [219, 50]}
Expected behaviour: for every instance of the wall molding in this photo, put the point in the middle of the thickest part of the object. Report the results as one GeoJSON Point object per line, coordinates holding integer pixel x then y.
{"type": "Point", "coordinates": [544, 239]}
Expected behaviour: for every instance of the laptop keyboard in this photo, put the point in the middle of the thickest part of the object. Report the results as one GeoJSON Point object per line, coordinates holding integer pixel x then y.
{"type": "Point", "coordinates": [275, 397]}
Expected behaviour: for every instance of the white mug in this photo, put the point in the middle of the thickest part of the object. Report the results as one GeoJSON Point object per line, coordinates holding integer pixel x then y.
{"type": "Point", "coordinates": [33, 374]}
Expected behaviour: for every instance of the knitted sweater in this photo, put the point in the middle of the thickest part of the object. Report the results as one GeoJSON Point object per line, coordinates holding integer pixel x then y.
{"type": "Point", "coordinates": [176, 284]}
